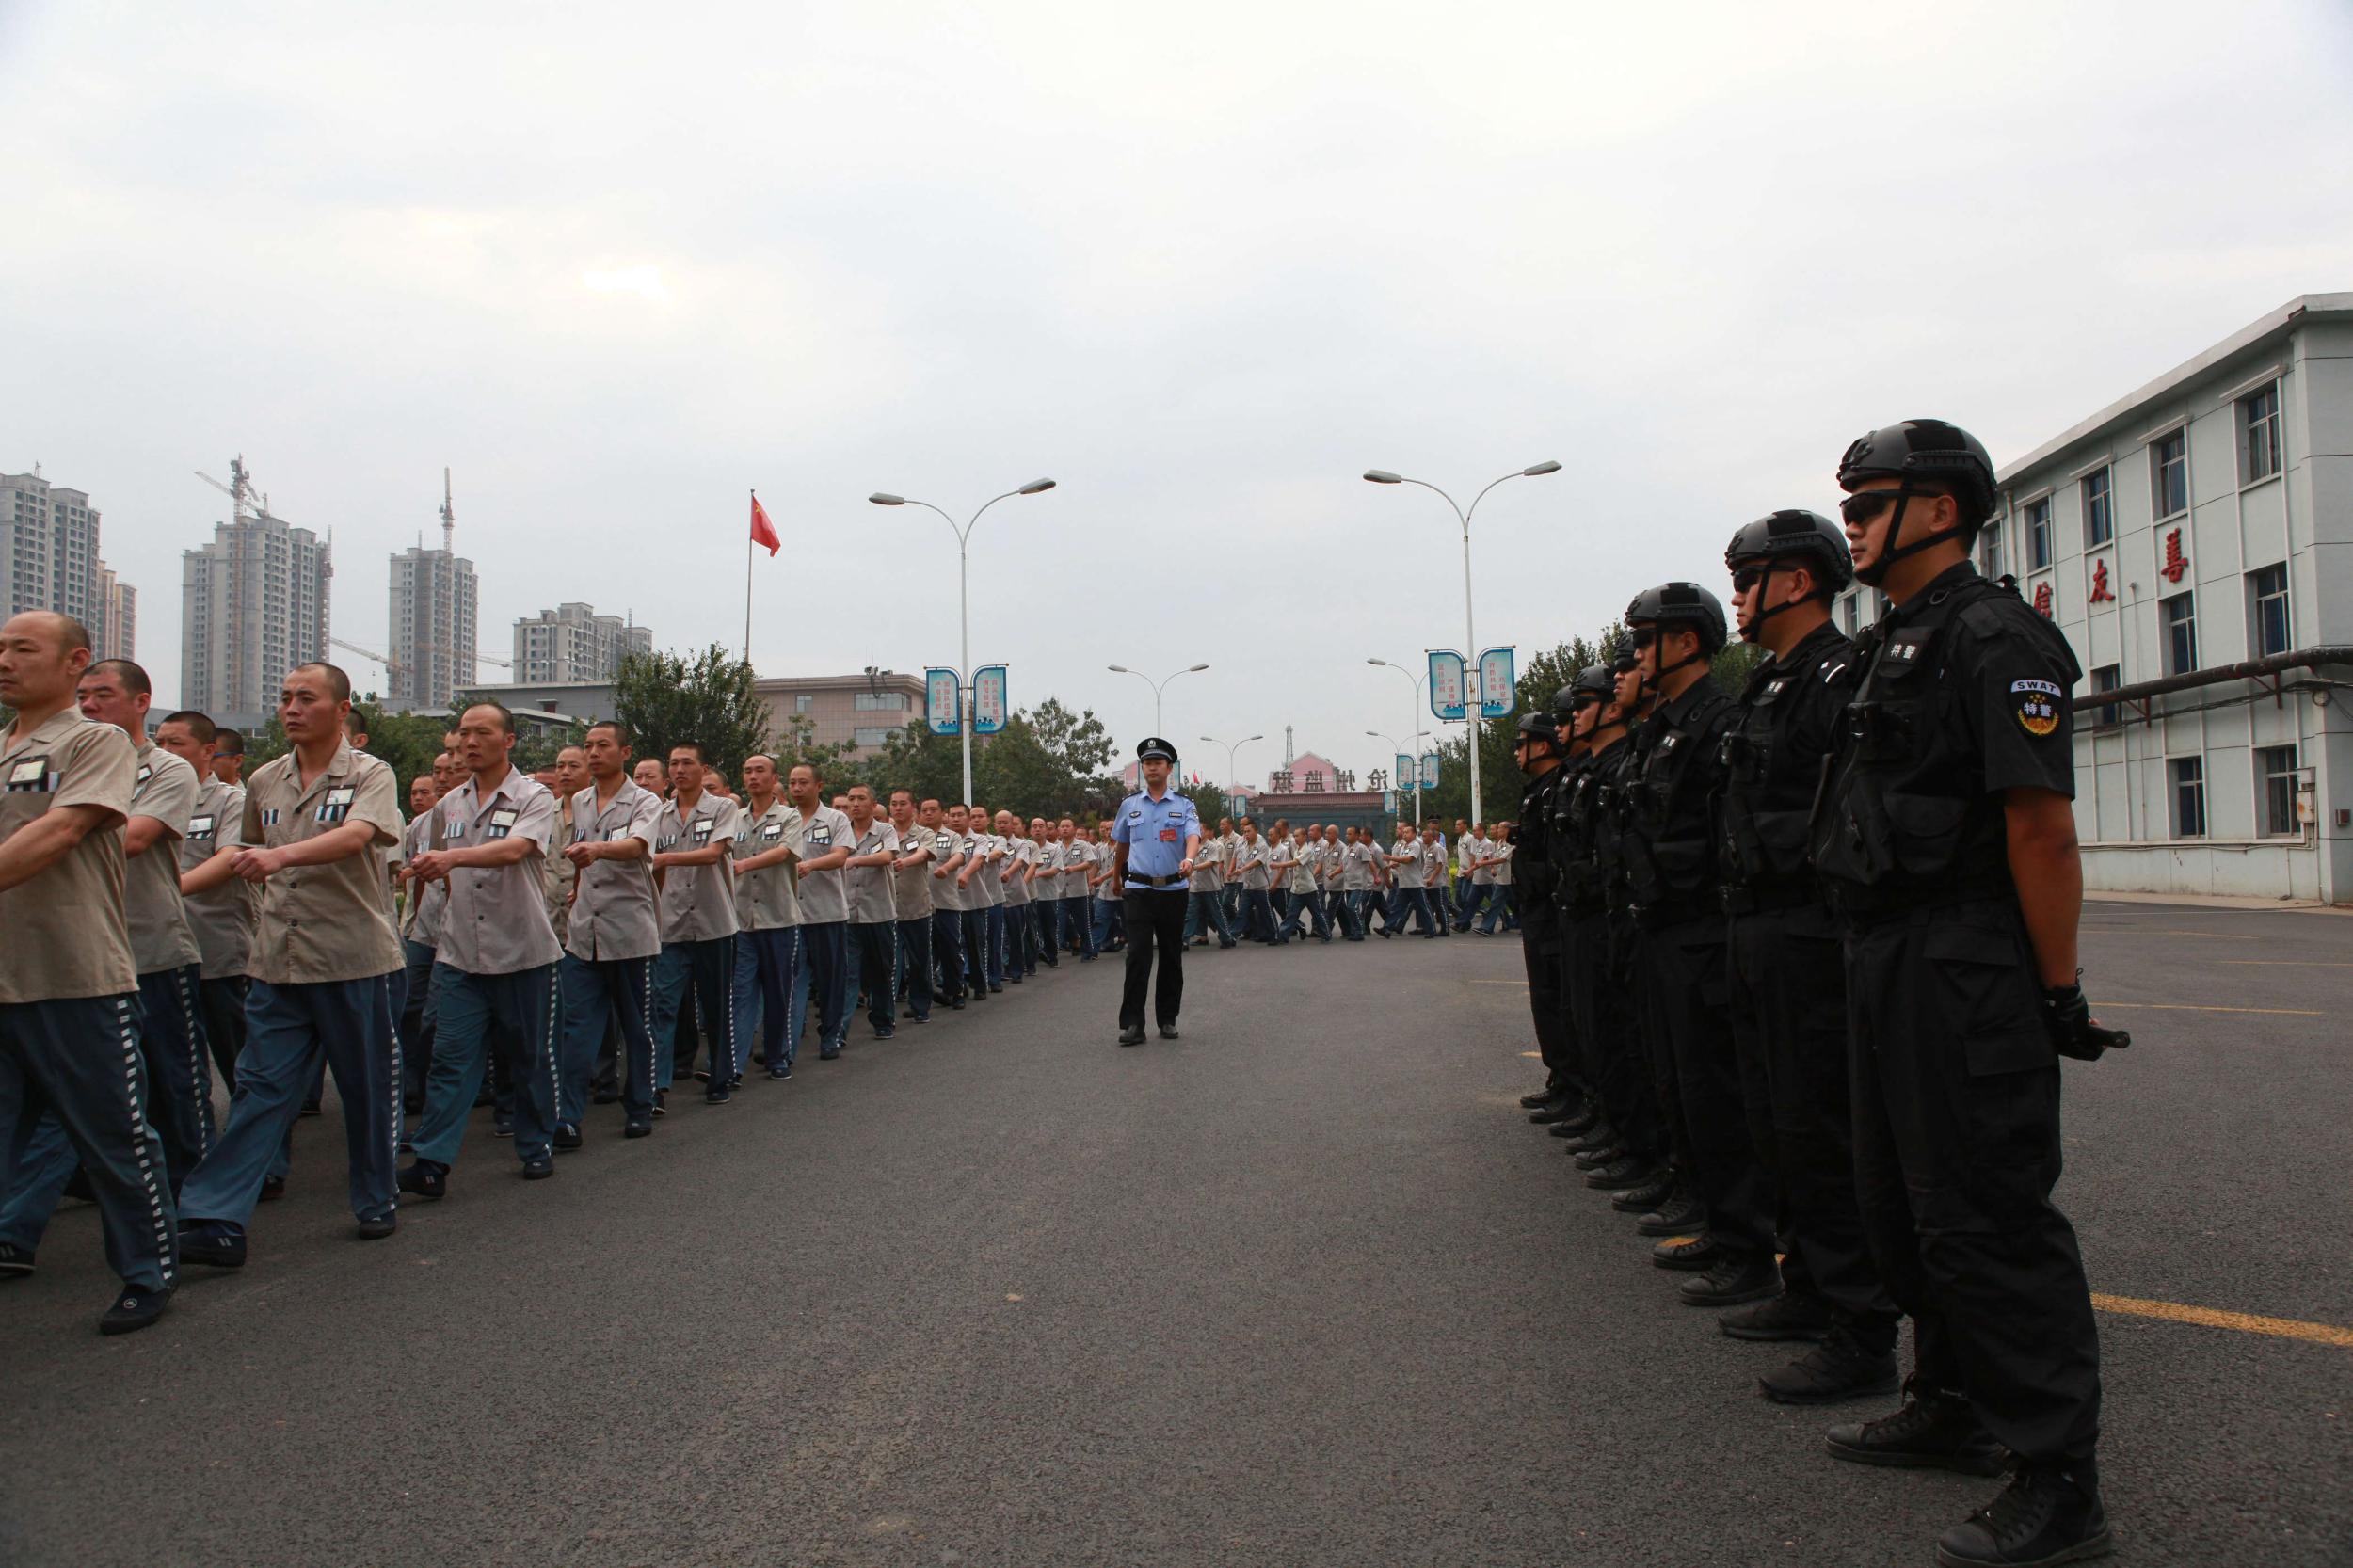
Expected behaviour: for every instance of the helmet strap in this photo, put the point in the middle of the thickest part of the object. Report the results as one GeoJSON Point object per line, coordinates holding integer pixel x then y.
{"type": "Point", "coordinates": [1894, 552]}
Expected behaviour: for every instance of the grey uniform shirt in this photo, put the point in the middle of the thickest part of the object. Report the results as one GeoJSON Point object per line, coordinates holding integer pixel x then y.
{"type": "Point", "coordinates": [989, 880]}
{"type": "Point", "coordinates": [1357, 868]}
{"type": "Point", "coordinates": [67, 930]}
{"type": "Point", "coordinates": [766, 900]}
{"type": "Point", "coordinates": [1209, 864]}
{"type": "Point", "coordinates": [1432, 863]}
{"type": "Point", "coordinates": [824, 895]}
{"type": "Point", "coordinates": [698, 902]}
{"type": "Point", "coordinates": [496, 920]}
{"type": "Point", "coordinates": [1021, 854]}
{"type": "Point", "coordinates": [614, 913]}
{"type": "Point", "coordinates": [1410, 874]}
{"type": "Point", "coordinates": [1254, 861]}
{"type": "Point", "coordinates": [1047, 882]}
{"type": "Point", "coordinates": [1500, 864]}
{"type": "Point", "coordinates": [422, 913]}
{"type": "Point", "coordinates": [867, 890]}
{"type": "Point", "coordinates": [330, 922]}
{"type": "Point", "coordinates": [220, 918]}
{"type": "Point", "coordinates": [555, 872]}
{"type": "Point", "coordinates": [162, 787]}
{"type": "Point", "coordinates": [947, 844]}
{"type": "Point", "coordinates": [1106, 858]}
{"type": "Point", "coordinates": [911, 886]}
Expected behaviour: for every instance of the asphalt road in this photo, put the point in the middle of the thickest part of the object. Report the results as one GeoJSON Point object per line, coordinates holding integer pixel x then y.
{"type": "Point", "coordinates": [1302, 1287]}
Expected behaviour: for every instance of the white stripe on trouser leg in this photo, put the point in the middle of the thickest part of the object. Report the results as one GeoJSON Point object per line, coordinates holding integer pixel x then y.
{"type": "Point", "coordinates": [138, 1138]}
{"type": "Point", "coordinates": [200, 1078]}
{"type": "Point", "coordinates": [547, 1054]}
{"type": "Point", "coordinates": [391, 1135]}
{"type": "Point", "coordinates": [645, 1080]}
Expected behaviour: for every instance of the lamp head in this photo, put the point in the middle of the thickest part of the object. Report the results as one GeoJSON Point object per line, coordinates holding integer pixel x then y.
{"type": "Point", "coordinates": [1119, 669]}
{"type": "Point", "coordinates": [1189, 668]}
{"type": "Point", "coordinates": [1383, 476]}
{"type": "Point", "coordinates": [1540, 468]}
{"type": "Point", "coordinates": [1034, 486]}
{"type": "Point", "coordinates": [883, 498]}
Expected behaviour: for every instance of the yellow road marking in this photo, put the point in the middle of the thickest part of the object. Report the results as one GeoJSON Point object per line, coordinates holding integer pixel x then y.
{"type": "Point", "coordinates": [2282, 1328]}
{"type": "Point", "coordinates": [2189, 1007]}
{"type": "Point", "coordinates": [1537, 1054]}
{"type": "Point", "coordinates": [1521, 984]}
{"type": "Point", "coordinates": [2287, 963]}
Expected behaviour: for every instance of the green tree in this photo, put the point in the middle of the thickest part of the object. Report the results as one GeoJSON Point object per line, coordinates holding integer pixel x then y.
{"type": "Point", "coordinates": [663, 699]}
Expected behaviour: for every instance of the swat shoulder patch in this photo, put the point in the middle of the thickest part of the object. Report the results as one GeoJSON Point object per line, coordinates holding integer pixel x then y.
{"type": "Point", "coordinates": [2036, 703]}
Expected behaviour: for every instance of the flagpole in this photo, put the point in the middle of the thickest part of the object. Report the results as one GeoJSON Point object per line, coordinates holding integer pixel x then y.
{"type": "Point", "coordinates": [747, 587]}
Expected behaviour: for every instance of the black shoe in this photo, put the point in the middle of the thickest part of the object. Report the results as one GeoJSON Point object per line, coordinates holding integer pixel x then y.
{"type": "Point", "coordinates": [310, 1107]}
{"type": "Point", "coordinates": [1680, 1215]}
{"type": "Point", "coordinates": [1131, 1035]}
{"type": "Point", "coordinates": [1792, 1315]}
{"type": "Point", "coordinates": [703, 1076]}
{"type": "Point", "coordinates": [1555, 1112]}
{"type": "Point", "coordinates": [2050, 1512]}
{"type": "Point", "coordinates": [781, 1071]}
{"type": "Point", "coordinates": [1168, 1032]}
{"type": "Point", "coordinates": [132, 1309]}
{"type": "Point", "coordinates": [15, 1262]}
{"type": "Point", "coordinates": [539, 1169]}
{"type": "Point", "coordinates": [565, 1137]}
{"type": "Point", "coordinates": [830, 1053]}
{"type": "Point", "coordinates": [1733, 1281]}
{"type": "Point", "coordinates": [603, 1094]}
{"type": "Point", "coordinates": [1541, 1097]}
{"type": "Point", "coordinates": [1587, 1117]}
{"type": "Point", "coordinates": [956, 1005]}
{"type": "Point", "coordinates": [886, 1033]}
{"type": "Point", "coordinates": [1595, 1158]}
{"type": "Point", "coordinates": [638, 1128]}
{"type": "Point", "coordinates": [1836, 1369]}
{"type": "Point", "coordinates": [717, 1097]}
{"type": "Point", "coordinates": [215, 1246]}
{"type": "Point", "coordinates": [1693, 1253]}
{"type": "Point", "coordinates": [377, 1230]}
{"type": "Point", "coordinates": [1619, 1174]}
{"type": "Point", "coordinates": [1936, 1431]}
{"type": "Point", "coordinates": [425, 1179]}
{"type": "Point", "coordinates": [662, 1102]}
{"type": "Point", "coordinates": [996, 990]}
{"type": "Point", "coordinates": [502, 1128]}
{"type": "Point", "coordinates": [1599, 1136]}
{"type": "Point", "coordinates": [1642, 1199]}
{"type": "Point", "coordinates": [273, 1188]}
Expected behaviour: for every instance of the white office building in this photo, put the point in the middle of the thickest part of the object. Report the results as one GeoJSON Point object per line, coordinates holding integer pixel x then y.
{"type": "Point", "coordinates": [431, 615]}
{"type": "Point", "coordinates": [49, 561]}
{"type": "Point", "coordinates": [254, 605]}
{"type": "Point", "coordinates": [571, 643]}
{"type": "Point", "coordinates": [2194, 541]}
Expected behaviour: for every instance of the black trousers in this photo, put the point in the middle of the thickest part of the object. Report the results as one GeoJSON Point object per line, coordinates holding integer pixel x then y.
{"type": "Point", "coordinates": [1690, 985]}
{"type": "Point", "coordinates": [1956, 1148]}
{"type": "Point", "coordinates": [1789, 1031]}
{"type": "Point", "coordinates": [1155, 919]}
{"type": "Point", "coordinates": [222, 1001]}
{"type": "Point", "coordinates": [1540, 950]}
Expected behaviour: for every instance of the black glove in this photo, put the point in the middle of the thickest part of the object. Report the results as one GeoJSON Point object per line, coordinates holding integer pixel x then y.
{"type": "Point", "coordinates": [2067, 1017]}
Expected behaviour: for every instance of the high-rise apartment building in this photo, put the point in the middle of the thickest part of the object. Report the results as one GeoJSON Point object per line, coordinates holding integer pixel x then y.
{"type": "Point", "coordinates": [50, 561]}
{"type": "Point", "coordinates": [254, 605]}
{"type": "Point", "coordinates": [433, 627]}
{"type": "Point", "coordinates": [572, 643]}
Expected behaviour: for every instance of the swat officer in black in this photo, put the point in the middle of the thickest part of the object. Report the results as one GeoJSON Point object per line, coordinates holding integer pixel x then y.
{"type": "Point", "coordinates": [1536, 748]}
{"type": "Point", "coordinates": [1946, 841]}
{"type": "Point", "coordinates": [1787, 977]}
{"type": "Point", "coordinates": [1671, 862]}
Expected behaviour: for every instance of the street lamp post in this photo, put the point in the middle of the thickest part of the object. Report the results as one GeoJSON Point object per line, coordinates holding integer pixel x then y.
{"type": "Point", "coordinates": [1413, 679]}
{"type": "Point", "coordinates": [964, 603]}
{"type": "Point", "coordinates": [1231, 747]}
{"type": "Point", "coordinates": [1157, 686]}
{"type": "Point", "coordinates": [1384, 735]}
{"type": "Point", "coordinates": [1470, 637]}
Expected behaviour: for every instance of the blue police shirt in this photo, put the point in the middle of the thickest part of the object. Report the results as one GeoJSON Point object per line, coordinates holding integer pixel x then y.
{"type": "Point", "coordinates": [1155, 832]}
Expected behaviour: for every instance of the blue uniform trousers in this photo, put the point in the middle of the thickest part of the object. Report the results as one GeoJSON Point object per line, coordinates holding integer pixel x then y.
{"type": "Point", "coordinates": [948, 954]}
{"type": "Point", "coordinates": [772, 987]}
{"type": "Point", "coordinates": [222, 1002]}
{"type": "Point", "coordinates": [1414, 909]}
{"type": "Point", "coordinates": [418, 1016]}
{"type": "Point", "coordinates": [597, 994]}
{"type": "Point", "coordinates": [179, 1074]}
{"type": "Point", "coordinates": [708, 968]}
{"type": "Point", "coordinates": [976, 950]}
{"type": "Point", "coordinates": [1204, 913]}
{"type": "Point", "coordinates": [1078, 919]}
{"type": "Point", "coordinates": [1046, 932]}
{"type": "Point", "coordinates": [479, 1012]}
{"type": "Point", "coordinates": [1230, 906]}
{"type": "Point", "coordinates": [1257, 915]}
{"type": "Point", "coordinates": [995, 947]}
{"type": "Point", "coordinates": [827, 943]}
{"type": "Point", "coordinates": [915, 965]}
{"type": "Point", "coordinates": [74, 1062]}
{"type": "Point", "coordinates": [289, 1030]}
{"type": "Point", "coordinates": [877, 946]}
{"type": "Point", "coordinates": [1110, 923]}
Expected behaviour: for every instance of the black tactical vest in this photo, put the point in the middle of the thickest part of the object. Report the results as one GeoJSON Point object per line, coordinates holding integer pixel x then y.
{"type": "Point", "coordinates": [1777, 759]}
{"type": "Point", "coordinates": [1671, 840]}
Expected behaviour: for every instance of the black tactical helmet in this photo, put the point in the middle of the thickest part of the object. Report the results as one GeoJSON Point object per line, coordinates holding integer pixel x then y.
{"type": "Point", "coordinates": [1796, 533]}
{"type": "Point", "coordinates": [1681, 604]}
{"type": "Point", "coordinates": [1932, 451]}
{"type": "Point", "coordinates": [1621, 663]}
{"type": "Point", "coordinates": [1564, 701]}
{"type": "Point", "coordinates": [1596, 681]}
{"type": "Point", "coordinates": [1540, 727]}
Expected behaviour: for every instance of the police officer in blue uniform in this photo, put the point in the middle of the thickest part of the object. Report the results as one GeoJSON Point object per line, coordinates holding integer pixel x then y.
{"type": "Point", "coordinates": [1157, 833]}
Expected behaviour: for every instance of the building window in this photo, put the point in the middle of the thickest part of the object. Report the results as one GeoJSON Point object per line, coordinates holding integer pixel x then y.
{"type": "Point", "coordinates": [2275, 791]}
{"type": "Point", "coordinates": [881, 702]}
{"type": "Point", "coordinates": [872, 738]}
{"type": "Point", "coordinates": [800, 702]}
{"type": "Point", "coordinates": [2038, 534]}
{"type": "Point", "coordinates": [2169, 475]}
{"type": "Point", "coordinates": [2099, 510]}
{"type": "Point", "coordinates": [2188, 778]}
{"type": "Point", "coordinates": [2259, 434]}
{"type": "Point", "coordinates": [2108, 714]}
{"type": "Point", "coordinates": [2267, 609]}
{"type": "Point", "coordinates": [2177, 622]}
{"type": "Point", "coordinates": [1990, 549]}
{"type": "Point", "coordinates": [1847, 614]}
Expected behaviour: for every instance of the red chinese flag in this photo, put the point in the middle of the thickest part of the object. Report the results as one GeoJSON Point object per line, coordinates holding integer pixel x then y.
{"type": "Point", "coordinates": [764, 532]}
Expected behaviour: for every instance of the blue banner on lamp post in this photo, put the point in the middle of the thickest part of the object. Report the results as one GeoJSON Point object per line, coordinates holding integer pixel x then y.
{"type": "Point", "coordinates": [943, 701]}
{"type": "Point", "coordinates": [1446, 696]}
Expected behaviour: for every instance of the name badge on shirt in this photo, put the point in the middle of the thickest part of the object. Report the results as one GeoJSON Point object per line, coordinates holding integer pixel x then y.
{"type": "Point", "coordinates": [940, 847]}
{"type": "Point", "coordinates": [1168, 835]}
{"type": "Point", "coordinates": [702, 830]}
{"type": "Point", "coordinates": [771, 833]}
{"type": "Point", "coordinates": [32, 774]}
{"type": "Point", "coordinates": [138, 782]}
{"type": "Point", "coordinates": [200, 827]}
{"type": "Point", "coordinates": [336, 806]}
{"type": "Point", "coordinates": [820, 835]}
{"type": "Point", "coordinates": [501, 822]}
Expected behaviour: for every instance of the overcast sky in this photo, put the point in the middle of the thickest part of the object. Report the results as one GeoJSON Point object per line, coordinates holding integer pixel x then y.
{"type": "Point", "coordinates": [615, 265]}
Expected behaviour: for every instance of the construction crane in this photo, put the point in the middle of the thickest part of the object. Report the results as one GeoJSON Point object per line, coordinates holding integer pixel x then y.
{"type": "Point", "coordinates": [245, 508]}
{"type": "Point", "coordinates": [449, 522]}
{"type": "Point", "coordinates": [393, 665]}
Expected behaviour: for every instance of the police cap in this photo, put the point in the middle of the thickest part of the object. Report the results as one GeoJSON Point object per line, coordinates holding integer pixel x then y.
{"type": "Point", "coordinates": [1795, 533]}
{"type": "Point", "coordinates": [1929, 450]}
{"type": "Point", "coordinates": [1685, 605]}
{"type": "Point", "coordinates": [1154, 746]}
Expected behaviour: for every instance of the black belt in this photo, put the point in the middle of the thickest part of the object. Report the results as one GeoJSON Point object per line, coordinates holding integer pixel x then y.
{"type": "Point", "coordinates": [1156, 881]}
{"type": "Point", "coordinates": [1871, 906]}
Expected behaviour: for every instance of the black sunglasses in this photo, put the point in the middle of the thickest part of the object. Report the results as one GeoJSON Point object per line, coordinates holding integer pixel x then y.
{"type": "Point", "coordinates": [1860, 507]}
{"type": "Point", "coordinates": [1748, 577]}
{"type": "Point", "coordinates": [1645, 635]}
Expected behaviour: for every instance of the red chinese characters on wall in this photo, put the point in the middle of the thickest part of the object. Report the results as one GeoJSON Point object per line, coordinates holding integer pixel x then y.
{"type": "Point", "coordinates": [2100, 591]}
{"type": "Point", "coordinates": [2042, 600]}
{"type": "Point", "coordinates": [2175, 562]}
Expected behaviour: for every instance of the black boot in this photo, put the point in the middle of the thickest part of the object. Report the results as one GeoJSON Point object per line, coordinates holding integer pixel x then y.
{"type": "Point", "coordinates": [2050, 1512]}
{"type": "Point", "coordinates": [1738, 1277]}
{"type": "Point", "coordinates": [1836, 1369]}
{"type": "Point", "coordinates": [1680, 1215]}
{"type": "Point", "coordinates": [1792, 1315]}
{"type": "Point", "coordinates": [1931, 1432]}
{"type": "Point", "coordinates": [1642, 1199]}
